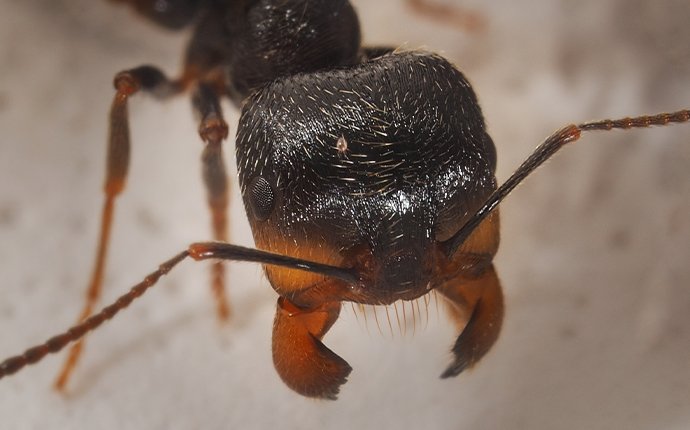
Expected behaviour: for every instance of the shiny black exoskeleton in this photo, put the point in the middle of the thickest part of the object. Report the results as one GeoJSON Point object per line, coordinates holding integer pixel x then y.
{"type": "Point", "coordinates": [367, 175]}
{"type": "Point", "coordinates": [417, 163]}
{"type": "Point", "coordinates": [256, 41]}
{"type": "Point", "coordinates": [358, 166]}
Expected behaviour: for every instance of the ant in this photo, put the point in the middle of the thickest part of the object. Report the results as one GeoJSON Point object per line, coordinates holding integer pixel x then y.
{"type": "Point", "coordinates": [410, 209]}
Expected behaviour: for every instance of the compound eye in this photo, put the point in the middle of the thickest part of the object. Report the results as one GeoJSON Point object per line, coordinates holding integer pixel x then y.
{"type": "Point", "coordinates": [262, 198]}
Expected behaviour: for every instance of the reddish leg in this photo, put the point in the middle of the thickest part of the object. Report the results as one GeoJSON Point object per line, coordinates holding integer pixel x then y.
{"type": "Point", "coordinates": [304, 363]}
{"type": "Point", "coordinates": [213, 130]}
{"type": "Point", "coordinates": [126, 83]}
{"type": "Point", "coordinates": [482, 299]}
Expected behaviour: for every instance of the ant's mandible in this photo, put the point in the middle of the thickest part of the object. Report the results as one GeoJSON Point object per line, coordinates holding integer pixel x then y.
{"type": "Point", "coordinates": [366, 173]}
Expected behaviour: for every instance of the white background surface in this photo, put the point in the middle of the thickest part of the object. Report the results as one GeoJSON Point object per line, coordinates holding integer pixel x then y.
{"type": "Point", "coordinates": [594, 259]}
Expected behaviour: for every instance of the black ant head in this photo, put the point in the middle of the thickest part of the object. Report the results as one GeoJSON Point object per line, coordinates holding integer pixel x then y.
{"type": "Point", "coordinates": [370, 167]}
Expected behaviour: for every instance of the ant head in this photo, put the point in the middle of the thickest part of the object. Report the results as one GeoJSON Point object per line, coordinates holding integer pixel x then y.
{"type": "Point", "coordinates": [368, 167]}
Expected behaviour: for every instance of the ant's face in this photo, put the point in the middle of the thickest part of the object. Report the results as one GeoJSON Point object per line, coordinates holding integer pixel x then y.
{"type": "Point", "coordinates": [348, 169]}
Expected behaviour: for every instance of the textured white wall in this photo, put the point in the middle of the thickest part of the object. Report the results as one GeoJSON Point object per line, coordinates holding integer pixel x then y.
{"type": "Point", "coordinates": [593, 261]}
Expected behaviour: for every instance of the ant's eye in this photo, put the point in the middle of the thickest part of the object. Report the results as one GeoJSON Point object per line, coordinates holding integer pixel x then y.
{"type": "Point", "coordinates": [262, 197]}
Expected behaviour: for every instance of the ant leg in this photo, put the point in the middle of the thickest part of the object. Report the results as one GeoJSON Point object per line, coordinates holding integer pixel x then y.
{"type": "Point", "coordinates": [127, 83]}
{"type": "Point", "coordinates": [482, 298]}
{"type": "Point", "coordinates": [304, 363]}
{"type": "Point", "coordinates": [468, 20]}
{"type": "Point", "coordinates": [213, 130]}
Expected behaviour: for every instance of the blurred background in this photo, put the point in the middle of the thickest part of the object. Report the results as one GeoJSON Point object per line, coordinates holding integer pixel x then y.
{"type": "Point", "coordinates": [594, 256]}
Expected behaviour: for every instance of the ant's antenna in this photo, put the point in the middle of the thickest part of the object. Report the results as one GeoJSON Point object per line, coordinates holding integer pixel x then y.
{"type": "Point", "coordinates": [197, 251]}
{"type": "Point", "coordinates": [553, 143]}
